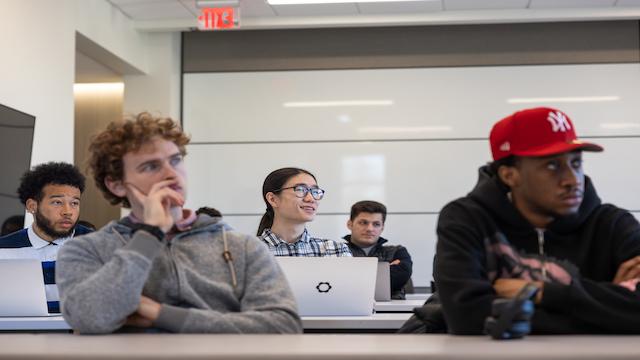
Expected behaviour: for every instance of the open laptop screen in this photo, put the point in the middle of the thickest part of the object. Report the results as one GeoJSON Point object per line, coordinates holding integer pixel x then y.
{"type": "Point", "coordinates": [22, 285]}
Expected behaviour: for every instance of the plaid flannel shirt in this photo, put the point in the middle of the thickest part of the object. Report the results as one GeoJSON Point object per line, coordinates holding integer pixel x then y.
{"type": "Point", "coordinates": [305, 245]}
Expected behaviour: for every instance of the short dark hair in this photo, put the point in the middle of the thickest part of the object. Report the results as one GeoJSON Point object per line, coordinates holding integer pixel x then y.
{"type": "Point", "coordinates": [52, 173]}
{"type": "Point", "coordinates": [368, 206]}
{"type": "Point", "coordinates": [510, 160]}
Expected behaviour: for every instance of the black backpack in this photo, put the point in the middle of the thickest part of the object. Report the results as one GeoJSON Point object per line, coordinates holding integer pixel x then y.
{"type": "Point", "coordinates": [428, 318]}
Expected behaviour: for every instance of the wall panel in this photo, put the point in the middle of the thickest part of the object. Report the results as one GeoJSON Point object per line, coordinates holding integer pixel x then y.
{"type": "Point", "coordinates": [401, 104]}
{"type": "Point", "coordinates": [415, 152]}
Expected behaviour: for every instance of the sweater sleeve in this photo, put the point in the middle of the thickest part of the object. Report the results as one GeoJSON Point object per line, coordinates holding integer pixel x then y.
{"type": "Point", "coordinates": [96, 297]}
{"type": "Point", "coordinates": [267, 303]}
{"type": "Point", "coordinates": [401, 273]}
{"type": "Point", "coordinates": [461, 273]}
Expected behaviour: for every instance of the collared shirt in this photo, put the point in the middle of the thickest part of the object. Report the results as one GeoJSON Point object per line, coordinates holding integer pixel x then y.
{"type": "Point", "coordinates": [45, 250]}
{"type": "Point", "coordinates": [40, 249]}
{"type": "Point", "coordinates": [305, 245]}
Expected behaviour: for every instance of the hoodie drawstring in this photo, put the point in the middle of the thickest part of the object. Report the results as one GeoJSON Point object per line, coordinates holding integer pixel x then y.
{"type": "Point", "coordinates": [226, 254]}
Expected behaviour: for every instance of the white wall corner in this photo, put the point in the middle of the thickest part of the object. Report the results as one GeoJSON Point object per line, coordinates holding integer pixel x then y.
{"type": "Point", "coordinates": [157, 91]}
{"type": "Point", "coordinates": [103, 28]}
{"type": "Point", "coordinates": [37, 72]}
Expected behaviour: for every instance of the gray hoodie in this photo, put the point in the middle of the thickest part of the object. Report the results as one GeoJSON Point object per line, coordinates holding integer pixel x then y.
{"type": "Point", "coordinates": [101, 276]}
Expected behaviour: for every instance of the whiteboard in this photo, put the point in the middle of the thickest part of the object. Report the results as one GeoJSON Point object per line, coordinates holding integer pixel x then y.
{"type": "Point", "coordinates": [410, 138]}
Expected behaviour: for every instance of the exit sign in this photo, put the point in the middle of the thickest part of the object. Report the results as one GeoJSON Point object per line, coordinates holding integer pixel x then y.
{"type": "Point", "coordinates": [218, 18]}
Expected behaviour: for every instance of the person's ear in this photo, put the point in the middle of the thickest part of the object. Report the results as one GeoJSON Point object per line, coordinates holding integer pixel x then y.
{"type": "Point", "coordinates": [350, 225]}
{"type": "Point", "coordinates": [116, 187]}
{"type": "Point", "coordinates": [32, 206]}
{"type": "Point", "coordinates": [509, 175]}
{"type": "Point", "coordinates": [272, 199]}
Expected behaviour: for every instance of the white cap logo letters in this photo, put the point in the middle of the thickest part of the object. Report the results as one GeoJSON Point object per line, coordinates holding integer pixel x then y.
{"type": "Point", "coordinates": [558, 122]}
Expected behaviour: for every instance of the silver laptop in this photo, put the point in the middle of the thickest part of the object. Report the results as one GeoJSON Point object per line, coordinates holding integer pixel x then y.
{"type": "Point", "coordinates": [331, 286]}
{"type": "Point", "coordinates": [22, 285]}
{"type": "Point", "coordinates": [383, 282]}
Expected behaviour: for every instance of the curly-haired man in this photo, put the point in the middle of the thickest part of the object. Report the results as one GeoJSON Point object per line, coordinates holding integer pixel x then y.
{"type": "Point", "coordinates": [51, 193]}
{"type": "Point", "coordinates": [163, 267]}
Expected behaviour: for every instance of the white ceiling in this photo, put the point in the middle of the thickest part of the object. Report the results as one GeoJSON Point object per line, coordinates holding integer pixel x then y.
{"type": "Point", "coordinates": [178, 15]}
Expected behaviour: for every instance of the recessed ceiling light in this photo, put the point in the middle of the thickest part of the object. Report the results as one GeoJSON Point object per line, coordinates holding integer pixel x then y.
{"type": "Point", "coordinates": [569, 99]}
{"type": "Point", "coordinates": [304, 2]}
{"type": "Point", "coordinates": [404, 129]}
{"type": "Point", "coordinates": [93, 87]}
{"type": "Point", "coordinates": [619, 126]}
{"type": "Point", "coordinates": [299, 104]}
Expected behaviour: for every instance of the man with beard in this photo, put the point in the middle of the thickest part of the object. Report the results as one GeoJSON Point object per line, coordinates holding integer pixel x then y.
{"type": "Point", "coordinates": [51, 193]}
{"type": "Point", "coordinates": [534, 217]}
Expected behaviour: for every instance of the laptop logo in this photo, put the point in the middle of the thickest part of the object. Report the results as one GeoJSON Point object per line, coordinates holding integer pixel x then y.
{"type": "Point", "coordinates": [323, 287]}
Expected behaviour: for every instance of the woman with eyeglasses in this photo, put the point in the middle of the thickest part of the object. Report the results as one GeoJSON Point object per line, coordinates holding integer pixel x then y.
{"type": "Point", "coordinates": [292, 196]}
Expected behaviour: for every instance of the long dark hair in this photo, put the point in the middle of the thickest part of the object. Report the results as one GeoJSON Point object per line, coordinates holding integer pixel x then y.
{"type": "Point", "coordinates": [274, 181]}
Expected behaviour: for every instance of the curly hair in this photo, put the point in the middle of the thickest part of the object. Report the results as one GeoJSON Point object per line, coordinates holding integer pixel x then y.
{"type": "Point", "coordinates": [128, 135]}
{"type": "Point", "coordinates": [52, 173]}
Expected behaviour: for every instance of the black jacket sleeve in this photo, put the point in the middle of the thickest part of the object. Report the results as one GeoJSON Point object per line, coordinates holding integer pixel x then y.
{"type": "Point", "coordinates": [461, 272]}
{"type": "Point", "coordinates": [400, 273]}
{"type": "Point", "coordinates": [609, 307]}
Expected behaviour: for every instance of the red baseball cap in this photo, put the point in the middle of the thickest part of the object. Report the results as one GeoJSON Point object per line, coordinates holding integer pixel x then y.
{"type": "Point", "coordinates": [536, 132]}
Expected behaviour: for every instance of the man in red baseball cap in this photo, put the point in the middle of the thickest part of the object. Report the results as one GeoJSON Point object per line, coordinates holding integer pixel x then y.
{"type": "Point", "coordinates": [534, 217]}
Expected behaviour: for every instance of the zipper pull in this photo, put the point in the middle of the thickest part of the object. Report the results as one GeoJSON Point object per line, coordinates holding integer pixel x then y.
{"type": "Point", "coordinates": [541, 252]}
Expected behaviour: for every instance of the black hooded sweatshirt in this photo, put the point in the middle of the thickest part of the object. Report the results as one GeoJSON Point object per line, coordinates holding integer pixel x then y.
{"type": "Point", "coordinates": [482, 237]}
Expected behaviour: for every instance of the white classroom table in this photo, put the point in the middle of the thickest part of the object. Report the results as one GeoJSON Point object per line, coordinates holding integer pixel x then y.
{"type": "Point", "coordinates": [384, 321]}
{"type": "Point", "coordinates": [312, 347]}
{"type": "Point", "coordinates": [376, 321]}
{"type": "Point", "coordinates": [418, 296]}
{"type": "Point", "coordinates": [379, 321]}
{"type": "Point", "coordinates": [41, 323]}
{"type": "Point", "coordinates": [397, 305]}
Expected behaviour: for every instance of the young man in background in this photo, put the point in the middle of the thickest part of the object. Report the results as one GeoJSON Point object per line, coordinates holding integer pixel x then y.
{"type": "Point", "coordinates": [366, 224]}
{"type": "Point", "coordinates": [51, 193]}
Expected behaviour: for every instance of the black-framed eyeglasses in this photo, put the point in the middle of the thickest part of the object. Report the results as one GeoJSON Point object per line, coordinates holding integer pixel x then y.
{"type": "Point", "coordinates": [302, 190]}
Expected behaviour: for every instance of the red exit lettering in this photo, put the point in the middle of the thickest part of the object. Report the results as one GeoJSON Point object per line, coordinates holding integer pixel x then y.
{"type": "Point", "coordinates": [216, 18]}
